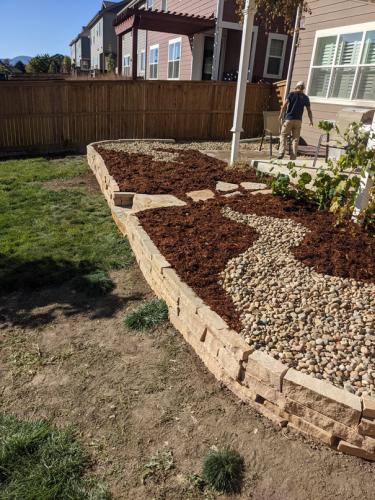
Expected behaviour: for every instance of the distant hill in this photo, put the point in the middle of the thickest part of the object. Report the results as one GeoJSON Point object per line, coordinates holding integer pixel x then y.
{"type": "Point", "coordinates": [24, 59]}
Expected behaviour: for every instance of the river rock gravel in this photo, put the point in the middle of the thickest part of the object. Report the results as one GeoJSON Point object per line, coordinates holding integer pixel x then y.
{"type": "Point", "coordinates": [319, 324]}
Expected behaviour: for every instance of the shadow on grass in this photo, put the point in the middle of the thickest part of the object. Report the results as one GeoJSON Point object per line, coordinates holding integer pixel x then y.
{"type": "Point", "coordinates": [33, 292]}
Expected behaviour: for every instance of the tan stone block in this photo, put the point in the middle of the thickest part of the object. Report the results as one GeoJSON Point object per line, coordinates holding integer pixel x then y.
{"type": "Point", "coordinates": [232, 342]}
{"type": "Point", "coordinates": [322, 397]}
{"type": "Point", "coordinates": [279, 412]}
{"type": "Point", "coordinates": [368, 444]}
{"type": "Point", "coordinates": [367, 427]}
{"type": "Point", "coordinates": [123, 199]}
{"type": "Point", "coordinates": [191, 303]}
{"type": "Point", "coordinates": [150, 248]}
{"type": "Point", "coordinates": [311, 430]}
{"type": "Point", "coordinates": [201, 195]}
{"type": "Point", "coordinates": [263, 390]}
{"type": "Point", "coordinates": [149, 201]}
{"type": "Point", "coordinates": [225, 187]}
{"type": "Point", "coordinates": [267, 369]}
{"type": "Point", "coordinates": [350, 449]}
{"type": "Point", "coordinates": [159, 262]}
{"type": "Point", "coordinates": [368, 407]}
{"type": "Point", "coordinates": [325, 423]}
{"type": "Point", "coordinates": [230, 364]}
{"type": "Point", "coordinates": [193, 321]}
{"type": "Point", "coordinates": [213, 320]}
{"type": "Point", "coordinates": [212, 344]}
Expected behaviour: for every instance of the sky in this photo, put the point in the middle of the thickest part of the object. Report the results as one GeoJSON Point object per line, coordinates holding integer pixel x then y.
{"type": "Point", "coordinates": [30, 27]}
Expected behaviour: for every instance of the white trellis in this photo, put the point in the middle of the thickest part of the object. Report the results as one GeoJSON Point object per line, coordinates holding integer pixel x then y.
{"type": "Point", "coordinates": [363, 194]}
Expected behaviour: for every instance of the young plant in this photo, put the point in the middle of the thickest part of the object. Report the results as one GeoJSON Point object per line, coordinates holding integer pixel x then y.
{"type": "Point", "coordinates": [281, 186]}
{"type": "Point", "coordinates": [223, 470]}
{"type": "Point", "coordinates": [148, 315]}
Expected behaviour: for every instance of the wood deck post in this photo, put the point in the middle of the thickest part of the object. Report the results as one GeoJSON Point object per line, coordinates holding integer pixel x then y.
{"type": "Point", "coordinates": [134, 52]}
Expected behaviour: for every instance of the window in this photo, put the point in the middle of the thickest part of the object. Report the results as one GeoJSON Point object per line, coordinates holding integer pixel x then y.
{"type": "Point", "coordinates": [127, 65]}
{"type": "Point", "coordinates": [164, 5]}
{"type": "Point", "coordinates": [154, 59]}
{"type": "Point", "coordinates": [150, 4]}
{"type": "Point", "coordinates": [141, 62]}
{"type": "Point", "coordinates": [343, 64]}
{"type": "Point", "coordinates": [174, 58]}
{"type": "Point", "coordinates": [275, 56]}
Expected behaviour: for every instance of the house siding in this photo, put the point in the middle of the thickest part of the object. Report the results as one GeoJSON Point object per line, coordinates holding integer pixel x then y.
{"type": "Point", "coordinates": [325, 14]}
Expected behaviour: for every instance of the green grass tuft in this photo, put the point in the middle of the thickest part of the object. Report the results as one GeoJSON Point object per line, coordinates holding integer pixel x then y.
{"type": "Point", "coordinates": [39, 461]}
{"type": "Point", "coordinates": [150, 314]}
{"type": "Point", "coordinates": [223, 470]}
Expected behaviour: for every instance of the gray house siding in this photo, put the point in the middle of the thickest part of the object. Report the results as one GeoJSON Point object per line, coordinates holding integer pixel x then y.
{"type": "Point", "coordinates": [326, 14]}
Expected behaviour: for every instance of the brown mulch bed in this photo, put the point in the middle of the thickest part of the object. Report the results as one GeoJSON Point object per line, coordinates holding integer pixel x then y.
{"type": "Point", "coordinates": [198, 241]}
{"type": "Point", "coordinates": [192, 171]}
{"type": "Point", "coordinates": [344, 250]}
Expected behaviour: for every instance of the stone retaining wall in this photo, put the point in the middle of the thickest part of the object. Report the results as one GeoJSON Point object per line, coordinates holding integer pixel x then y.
{"type": "Point", "coordinates": [288, 397]}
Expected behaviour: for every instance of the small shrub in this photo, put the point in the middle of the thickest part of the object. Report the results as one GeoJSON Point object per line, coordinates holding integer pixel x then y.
{"type": "Point", "coordinates": [150, 314]}
{"type": "Point", "coordinates": [281, 185]}
{"type": "Point", "coordinates": [94, 284]}
{"type": "Point", "coordinates": [223, 470]}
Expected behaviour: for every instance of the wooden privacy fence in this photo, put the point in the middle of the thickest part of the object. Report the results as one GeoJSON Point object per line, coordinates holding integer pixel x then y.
{"type": "Point", "coordinates": [68, 115]}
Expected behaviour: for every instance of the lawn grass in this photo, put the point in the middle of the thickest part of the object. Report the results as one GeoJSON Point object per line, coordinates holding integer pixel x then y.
{"type": "Point", "coordinates": [53, 236]}
{"type": "Point", "coordinates": [39, 461]}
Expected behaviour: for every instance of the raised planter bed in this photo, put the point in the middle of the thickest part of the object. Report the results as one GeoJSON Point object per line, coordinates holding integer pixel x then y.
{"type": "Point", "coordinates": [262, 264]}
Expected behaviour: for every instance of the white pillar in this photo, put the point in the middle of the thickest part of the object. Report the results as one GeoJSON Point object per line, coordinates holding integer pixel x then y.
{"type": "Point", "coordinates": [293, 52]}
{"type": "Point", "coordinates": [363, 194]}
{"type": "Point", "coordinates": [217, 42]}
{"type": "Point", "coordinates": [248, 23]}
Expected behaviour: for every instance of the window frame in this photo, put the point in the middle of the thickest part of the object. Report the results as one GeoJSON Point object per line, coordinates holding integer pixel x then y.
{"type": "Point", "coordinates": [150, 4]}
{"type": "Point", "coordinates": [164, 5]}
{"type": "Point", "coordinates": [171, 42]}
{"type": "Point", "coordinates": [153, 47]}
{"type": "Point", "coordinates": [275, 36]}
{"type": "Point", "coordinates": [126, 66]}
{"type": "Point", "coordinates": [341, 30]}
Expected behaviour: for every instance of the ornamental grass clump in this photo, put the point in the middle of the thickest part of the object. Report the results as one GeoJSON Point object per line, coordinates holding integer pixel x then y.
{"type": "Point", "coordinates": [150, 314]}
{"type": "Point", "coordinates": [223, 470]}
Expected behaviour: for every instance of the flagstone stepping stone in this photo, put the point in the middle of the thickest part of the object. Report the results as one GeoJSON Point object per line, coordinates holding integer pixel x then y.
{"type": "Point", "coordinates": [253, 186]}
{"type": "Point", "coordinates": [201, 195]}
{"type": "Point", "coordinates": [263, 191]}
{"type": "Point", "coordinates": [236, 193]}
{"type": "Point", "coordinates": [148, 201]}
{"type": "Point", "coordinates": [226, 187]}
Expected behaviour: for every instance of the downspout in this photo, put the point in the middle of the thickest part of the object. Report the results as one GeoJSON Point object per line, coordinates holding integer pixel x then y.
{"type": "Point", "coordinates": [217, 42]}
{"type": "Point", "coordinates": [294, 50]}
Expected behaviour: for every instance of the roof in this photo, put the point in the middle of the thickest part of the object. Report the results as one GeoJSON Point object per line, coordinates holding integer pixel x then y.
{"type": "Point", "coordinates": [107, 7]}
{"type": "Point", "coordinates": [161, 21]}
{"type": "Point", "coordinates": [84, 34]}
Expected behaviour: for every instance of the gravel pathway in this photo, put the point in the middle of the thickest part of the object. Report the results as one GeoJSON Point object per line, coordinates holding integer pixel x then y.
{"type": "Point", "coordinates": [322, 325]}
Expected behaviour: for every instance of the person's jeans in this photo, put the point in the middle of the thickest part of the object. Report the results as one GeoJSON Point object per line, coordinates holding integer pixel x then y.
{"type": "Point", "coordinates": [290, 127]}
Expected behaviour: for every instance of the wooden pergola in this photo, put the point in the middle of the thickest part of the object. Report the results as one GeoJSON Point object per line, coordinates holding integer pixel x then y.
{"type": "Point", "coordinates": [133, 19]}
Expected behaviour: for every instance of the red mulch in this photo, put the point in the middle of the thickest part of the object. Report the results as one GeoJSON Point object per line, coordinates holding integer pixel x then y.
{"type": "Point", "coordinates": [192, 171]}
{"type": "Point", "coordinates": [198, 241]}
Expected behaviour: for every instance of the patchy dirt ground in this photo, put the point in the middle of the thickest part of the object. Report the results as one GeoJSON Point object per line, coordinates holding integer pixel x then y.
{"type": "Point", "coordinates": [130, 395]}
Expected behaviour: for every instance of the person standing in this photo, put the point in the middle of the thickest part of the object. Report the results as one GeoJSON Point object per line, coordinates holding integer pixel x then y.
{"type": "Point", "coordinates": [291, 115]}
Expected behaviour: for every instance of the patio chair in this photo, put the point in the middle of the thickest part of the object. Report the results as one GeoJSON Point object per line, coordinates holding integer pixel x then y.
{"type": "Point", "coordinates": [335, 139]}
{"type": "Point", "coordinates": [271, 129]}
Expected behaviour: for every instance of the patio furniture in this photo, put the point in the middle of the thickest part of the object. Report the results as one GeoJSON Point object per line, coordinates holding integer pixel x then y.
{"type": "Point", "coordinates": [335, 139]}
{"type": "Point", "coordinates": [271, 129]}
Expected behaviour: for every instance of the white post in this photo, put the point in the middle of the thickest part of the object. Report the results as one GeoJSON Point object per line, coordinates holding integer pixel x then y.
{"type": "Point", "coordinates": [363, 194]}
{"type": "Point", "coordinates": [293, 52]}
{"type": "Point", "coordinates": [248, 23]}
{"type": "Point", "coordinates": [217, 42]}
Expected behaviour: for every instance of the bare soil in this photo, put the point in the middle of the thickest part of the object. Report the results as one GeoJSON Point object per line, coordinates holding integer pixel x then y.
{"type": "Point", "coordinates": [192, 171]}
{"type": "Point", "coordinates": [129, 395]}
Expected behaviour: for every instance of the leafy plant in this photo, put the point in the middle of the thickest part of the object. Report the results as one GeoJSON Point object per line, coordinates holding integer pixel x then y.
{"type": "Point", "coordinates": [281, 186]}
{"type": "Point", "coordinates": [148, 315]}
{"type": "Point", "coordinates": [326, 125]}
{"type": "Point", "coordinates": [158, 465]}
{"type": "Point", "coordinates": [223, 470]}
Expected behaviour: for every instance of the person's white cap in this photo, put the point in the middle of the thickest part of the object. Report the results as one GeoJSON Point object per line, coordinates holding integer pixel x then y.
{"type": "Point", "coordinates": [300, 84]}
